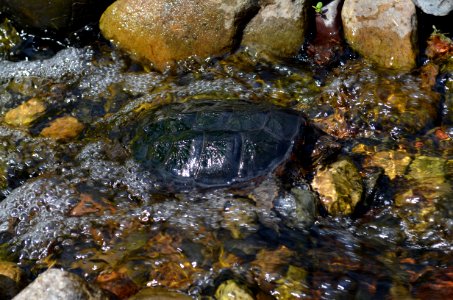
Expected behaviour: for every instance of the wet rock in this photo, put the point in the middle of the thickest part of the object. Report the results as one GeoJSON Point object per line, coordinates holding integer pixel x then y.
{"type": "Point", "coordinates": [268, 265]}
{"type": "Point", "coordinates": [159, 294]}
{"type": "Point", "coordinates": [63, 128]}
{"type": "Point", "coordinates": [10, 279]}
{"type": "Point", "coordinates": [231, 290]}
{"type": "Point", "coordinates": [393, 162]}
{"type": "Point", "coordinates": [383, 31]}
{"type": "Point", "coordinates": [293, 285]}
{"type": "Point", "coordinates": [164, 32]}
{"type": "Point", "coordinates": [435, 7]}
{"type": "Point", "coordinates": [339, 186]}
{"type": "Point", "coordinates": [297, 208]}
{"type": "Point", "coordinates": [26, 113]}
{"type": "Point", "coordinates": [59, 284]}
{"type": "Point", "coordinates": [54, 15]}
{"type": "Point", "coordinates": [278, 30]}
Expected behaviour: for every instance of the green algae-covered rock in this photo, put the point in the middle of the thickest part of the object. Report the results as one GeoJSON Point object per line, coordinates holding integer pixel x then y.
{"type": "Point", "coordinates": [54, 15]}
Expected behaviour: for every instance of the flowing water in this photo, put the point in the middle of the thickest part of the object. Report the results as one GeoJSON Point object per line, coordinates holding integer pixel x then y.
{"type": "Point", "coordinates": [87, 206]}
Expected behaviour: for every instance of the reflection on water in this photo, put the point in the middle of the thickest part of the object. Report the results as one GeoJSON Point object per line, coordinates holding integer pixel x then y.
{"type": "Point", "coordinates": [86, 205]}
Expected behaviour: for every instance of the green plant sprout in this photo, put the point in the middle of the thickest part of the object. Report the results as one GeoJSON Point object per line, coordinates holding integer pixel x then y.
{"type": "Point", "coordinates": [318, 8]}
{"type": "Point", "coordinates": [443, 36]}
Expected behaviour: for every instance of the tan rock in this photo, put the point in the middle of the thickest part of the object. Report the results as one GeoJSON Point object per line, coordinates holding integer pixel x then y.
{"type": "Point", "coordinates": [26, 113]}
{"type": "Point", "coordinates": [383, 31]}
{"type": "Point", "coordinates": [164, 31]}
{"type": "Point", "coordinates": [339, 186]}
{"type": "Point", "coordinates": [63, 128]}
{"type": "Point", "coordinates": [278, 30]}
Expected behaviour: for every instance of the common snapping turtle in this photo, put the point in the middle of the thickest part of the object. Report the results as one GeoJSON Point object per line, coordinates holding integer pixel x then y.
{"type": "Point", "coordinates": [219, 143]}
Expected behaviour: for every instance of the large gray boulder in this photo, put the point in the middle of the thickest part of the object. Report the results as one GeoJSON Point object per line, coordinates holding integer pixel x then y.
{"type": "Point", "coordinates": [435, 7]}
{"type": "Point", "coordinates": [383, 31]}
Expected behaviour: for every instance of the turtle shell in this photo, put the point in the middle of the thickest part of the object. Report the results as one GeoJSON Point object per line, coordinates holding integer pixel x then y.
{"type": "Point", "coordinates": [216, 143]}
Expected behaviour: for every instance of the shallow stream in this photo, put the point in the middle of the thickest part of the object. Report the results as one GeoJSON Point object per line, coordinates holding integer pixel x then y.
{"type": "Point", "coordinates": [84, 203]}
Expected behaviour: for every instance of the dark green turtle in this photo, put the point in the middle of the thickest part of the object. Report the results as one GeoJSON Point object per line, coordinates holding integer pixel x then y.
{"type": "Point", "coordinates": [217, 143]}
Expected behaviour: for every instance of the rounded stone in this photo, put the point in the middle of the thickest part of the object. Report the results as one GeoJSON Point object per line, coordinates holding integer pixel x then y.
{"type": "Point", "coordinates": [383, 31]}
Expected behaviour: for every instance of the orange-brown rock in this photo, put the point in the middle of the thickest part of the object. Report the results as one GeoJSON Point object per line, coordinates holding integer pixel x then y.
{"type": "Point", "coordinates": [63, 128]}
{"type": "Point", "coordinates": [383, 31]}
{"type": "Point", "coordinates": [164, 32]}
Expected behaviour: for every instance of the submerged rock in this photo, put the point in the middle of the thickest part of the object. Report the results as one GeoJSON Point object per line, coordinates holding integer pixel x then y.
{"type": "Point", "coordinates": [63, 128]}
{"type": "Point", "coordinates": [394, 163]}
{"type": "Point", "coordinates": [278, 30]}
{"type": "Point", "coordinates": [297, 208]}
{"type": "Point", "coordinates": [383, 31]}
{"type": "Point", "coordinates": [340, 187]}
{"type": "Point", "coordinates": [59, 284]}
{"type": "Point", "coordinates": [429, 176]}
{"type": "Point", "coordinates": [231, 290]}
{"type": "Point", "coordinates": [164, 32]}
